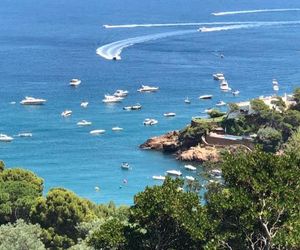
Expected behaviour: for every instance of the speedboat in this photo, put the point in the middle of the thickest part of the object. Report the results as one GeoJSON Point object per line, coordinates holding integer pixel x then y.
{"type": "Point", "coordinates": [174, 172]}
{"type": "Point", "coordinates": [84, 104]}
{"type": "Point", "coordinates": [146, 88]}
{"type": "Point", "coordinates": [121, 93]}
{"type": "Point", "coordinates": [170, 114]}
{"type": "Point", "coordinates": [275, 85]}
{"type": "Point", "coordinates": [97, 132]}
{"type": "Point", "coordinates": [5, 138]}
{"type": "Point", "coordinates": [190, 167]}
{"type": "Point", "coordinates": [224, 86]}
{"type": "Point", "coordinates": [134, 107]}
{"type": "Point", "coordinates": [205, 97]}
{"type": "Point", "coordinates": [158, 177]}
{"type": "Point", "coordinates": [84, 123]}
{"type": "Point", "coordinates": [218, 76]}
{"type": "Point", "coordinates": [66, 113]}
{"type": "Point", "coordinates": [235, 93]}
{"type": "Point", "coordinates": [32, 101]}
{"type": "Point", "coordinates": [203, 29]}
{"type": "Point", "coordinates": [221, 103]}
{"type": "Point", "coordinates": [25, 134]}
{"type": "Point", "coordinates": [111, 99]}
{"type": "Point", "coordinates": [187, 101]}
{"type": "Point", "coordinates": [150, 122]}
{"type": "Point", "coordinates": [75, 82]}
{"type": "Point", "coordinates": [117, 129]}
{"type": "Point", "coordinates": [190, 178]}
{"type": "Point", "coordinates": [125, 165]}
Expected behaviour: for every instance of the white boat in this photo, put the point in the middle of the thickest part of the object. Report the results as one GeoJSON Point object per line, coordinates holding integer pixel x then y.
{"type": "Point", "coordinates": [125, 165]}
{"type": "Point", "coordinates": [203, 29]}
{"type": "Point", "coordinates": [224, 86]}
{"type": "Point", "coordinates": [121, 93]}
{"type": "Point", "coordinates": [97, 189]}
{"type": "Point", "coordinates": [25, 134]}
{"type": "Point", "coordinates": [190, 167]}
{"type": "Point", "coordinates": [205, 97]}
{"type": "Point", "coordinates": [275, 85]}
{"type": "Point", "coordinates": [146, 88]}
{"type": "Point", "coordinates": [190, 178]}
{"type": "Point", "coordinates": [117, 129]}
{"type": "Point", "coordinates": [150, 122]}
{"type": "Point", "coordinates": [84, 104]}
{"type": "Point", "coordinates": [187, 101]}
{"type": "Point", "coordinates": [112, 99]}
{"type": "Point", "coordinates": [134, 107]}
{"type": "Point", "coordinates": [5, 138]}
{"type": "Point", "coordinates": [174, 172]}
{"type": "Point", "coordinates": [221, 103]}
{"type": "Point", "coordinates": [66, 113]}
{"type": "Point", "coordinates": [170, 114]}
{"type": "Point", "coordinates": [218, 76]}
{"type": "Point", "coordinates": [75, 82]}
{"type": "Point", "coordinates": [97, 132]}
{"type": "Point", "coordinates": [235, 93]}
{"type": "Point", "coordinates": [158, 177]}
{"type": "Point", "coordinates": [32, 101]}
{"type": "Point", "coordinates": [216, 173]}
{"type": "Point", "coordinates": [84, 123]}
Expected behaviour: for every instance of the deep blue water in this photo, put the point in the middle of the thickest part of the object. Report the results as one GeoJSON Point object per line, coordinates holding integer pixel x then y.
{"type": "Point", "coordinates": [43, 44]}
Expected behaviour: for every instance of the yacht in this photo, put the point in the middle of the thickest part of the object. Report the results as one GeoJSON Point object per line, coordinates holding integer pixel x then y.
{"type": "Point", "coordinates": [121, 93]}
{"type": "Point", "coordinates": [218, 76]}
{"type": "Point", "coordinates": [125, 165]}
{"type": "Point", "coordinates": [25, 134]}
{"type": "Point", "coordinates": [111, 99]}
{"type": "Point", "coordinates": [32, 101]}
{"type": "Point", "coordinates": [205, 97]}
{"type": "Point", "coordinates": [66, 113]}
{"type": "Point", "coordinates": [187, 101]}
{"type": "Point", "coordinates": [150, 122]}
{"type": "Point", "coordinates": [84, 123]}
{"type": "Point", "coordinates": [146, 88]}
{"type": "Point", "coordinates": [170, 114]}
{"type": "Point", "coordinates": [117, 129]}
{"type": "Point", "coordinates": [190, 167]}
{"type": "Point", "coordinates": [134, 107]}
{"type": "Point", "coordinates": [84, 104]}
{"type": "Point", "coordinates": [221, 103]}
{"type": "Point", "coordinates": [97, 132]}
{"type": "Point", "coordinates": [5, 138]}
{"type": "Point", "coordinates": [158, 177]}
{"type": "Point", "coordinates": [275, 85]}
{"type": "Point", "coordinates": [174, 172]}
{"type": "Point", "coordinates": [224, 86]}
{"type": "Point", "coordinates": [190, 178]}
{"type": "Point", "coordinates": [75, 82]}
{"type": "Point", "coordinates": [236, 92]}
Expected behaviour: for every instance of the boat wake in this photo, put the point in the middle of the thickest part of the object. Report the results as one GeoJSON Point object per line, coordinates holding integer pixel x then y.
{"type": "Point", "coordinates": [251, 11]}
{"type": "Point", "coordinates": [113, 50]}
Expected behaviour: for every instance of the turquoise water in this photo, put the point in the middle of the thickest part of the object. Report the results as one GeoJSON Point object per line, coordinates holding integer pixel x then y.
{"type": "Point", "coordinates": [43, 44]}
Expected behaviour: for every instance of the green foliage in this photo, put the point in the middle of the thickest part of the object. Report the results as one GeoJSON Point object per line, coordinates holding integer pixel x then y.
{"type": "Point", "coordinates": [21, 236]}
{"type": "Point", "coordinates": [216, 113]}
{"type": "Point", "coordinates": [259, 106]}
{"type": "Point", "coordinates": [2, 165]}
{"type": "Point", "coordinates": [269, 138]}
{"type": "Point", "coordinates": [233, 107]}
{"type": "Point", "coordinates": [279, 103]}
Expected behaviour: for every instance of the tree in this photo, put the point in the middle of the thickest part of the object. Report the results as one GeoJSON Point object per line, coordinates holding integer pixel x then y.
{"type": "Point", "coordinates": [215, 113]}
{"type": "Point", "coordinates": [258, 204]}
{"type": "Point", "coordinates": [269, 138]}
{"type": "Point", "coordinates": [21, 236]}
{"type": "Point", "coordinates": [2, 165]}
{"type": "Point", "coordinates": [259, 106]}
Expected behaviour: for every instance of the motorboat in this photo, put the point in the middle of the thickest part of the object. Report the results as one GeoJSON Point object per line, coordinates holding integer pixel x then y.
{"type": "Point", "coordinates": [75, 82]}
{"type": "Point", "coordinates": [97, 132]}
{"type": "Point", "coordinates": [117, 129]}
{"type": "Point", "coordinates": [25, 134]}
{"type": "Point", "coordinates": [224, 86]}
{"type": "Point", "coordinates": [205, 97]}
{"type": "Point", "coordinates": [66, 113]}
{"type": "Point", "coordinates": [112, 99]}
{"type": "Point", "coordinates": [203, 29]}
{"type": "Point", "coordinates": [32, 101]}
{"type": "Point", "coordinates": [190, 178]}
{"type": "Point", "coordinates": [5, 138]}
{"type": "Point", "coordinates": [221, 103]}
{"type": "Point", "coordinates": [236, 92]}
{"type": "Point", "coordinates": [84, 123]}
{"type": "Point", "coordinates": [275, 85]}
{"type": "Point", "coordinates": [146, 88]}
{"type": "Point", "coordinates": [134, 107]}
{"type": "Point", "coordinates": [174, 172]}
{"type": "Point", "coordinates": [170, 114]}
{"type": "Point", "coordinates": [190, 167]}
{"type": "Point", "coordinates": [158, 177]}
{"type": "Point", "coordinates": [121, 93]}
{"type": "Point", "coordinates": [218, 76]}
{"type": "Point", "coordinates": [125, 165]}
{"type": "Point", "coordinates": [150, 122]}
{"type": "Point", "coordinates": [187, 100]}
{"type": "Point", "coordinates": [97, 189]}
{"type": "Point", "coordinates": [84, 104]}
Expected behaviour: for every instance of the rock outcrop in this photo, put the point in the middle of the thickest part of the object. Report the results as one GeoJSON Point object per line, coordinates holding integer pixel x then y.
{"type": "Point", "coordinates": [200, 154]}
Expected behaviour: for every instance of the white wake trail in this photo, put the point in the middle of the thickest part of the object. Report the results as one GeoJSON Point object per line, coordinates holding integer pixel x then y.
{"type": "Point", "coordinates": [113, 50]}
{"type": "Point", "coordinates": [251, 11]}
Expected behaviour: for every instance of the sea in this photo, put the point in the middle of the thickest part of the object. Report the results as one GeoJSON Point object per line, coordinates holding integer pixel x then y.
{"type": "Point", "coordinates": [44, 44]}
